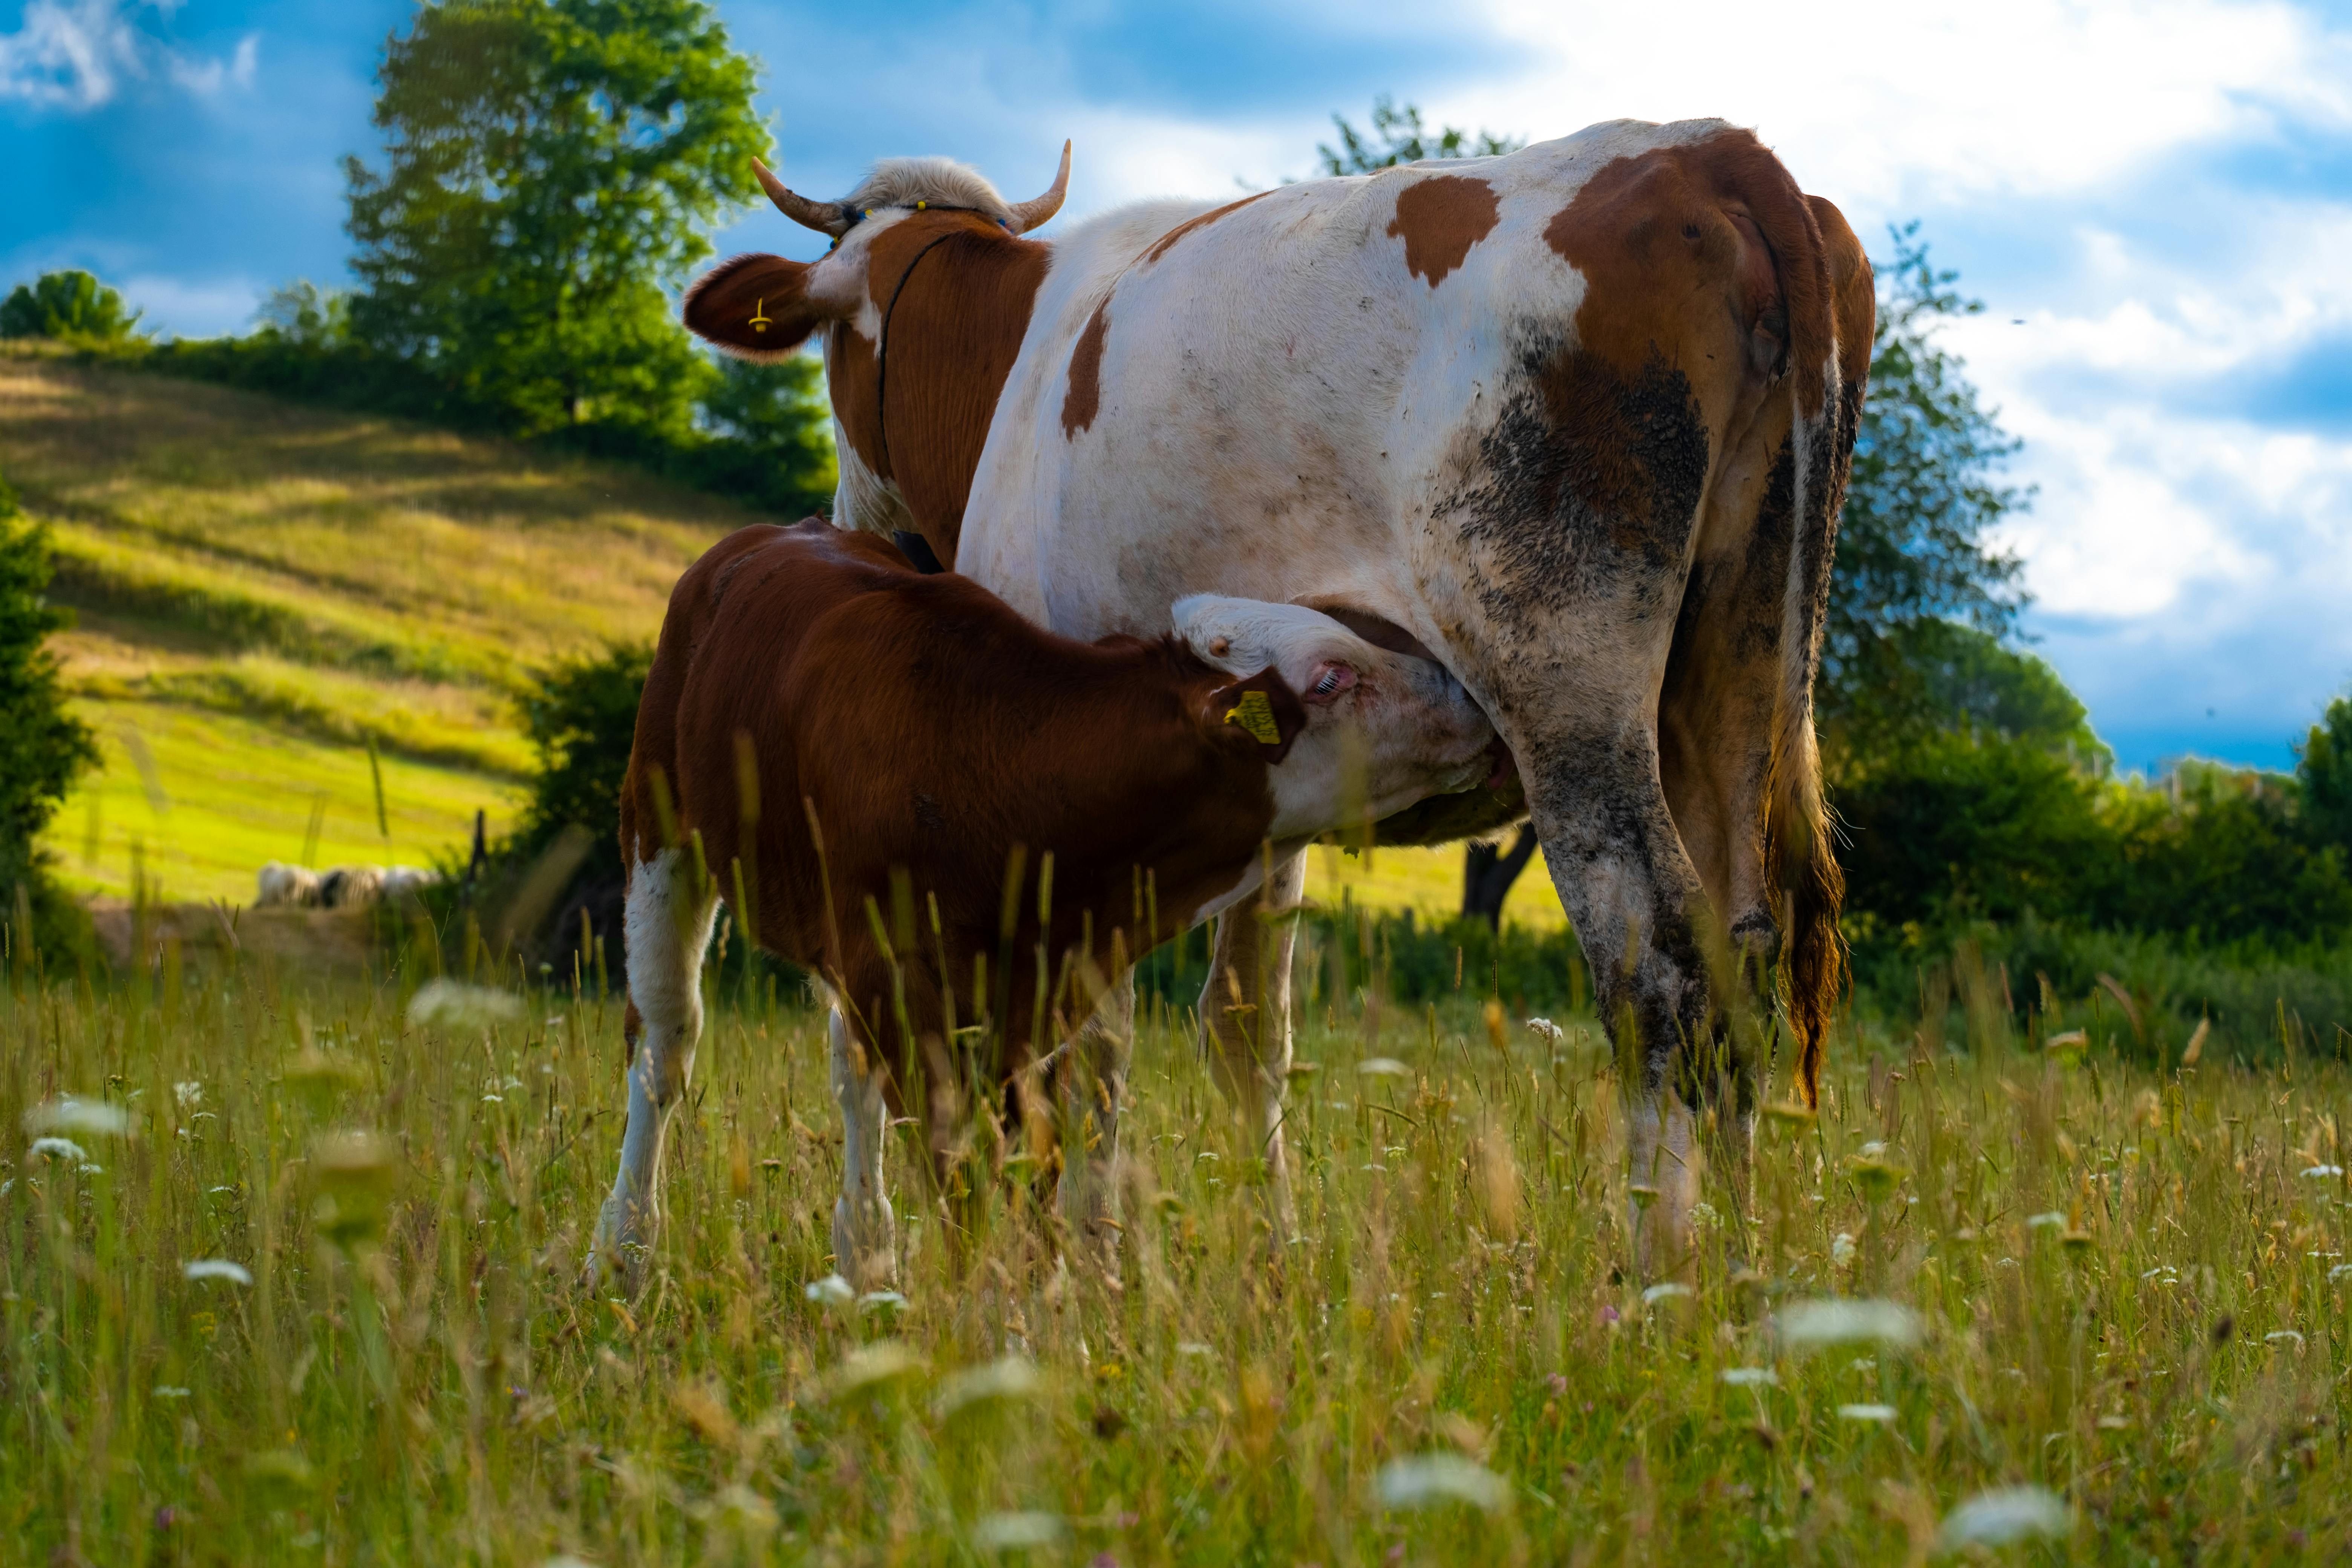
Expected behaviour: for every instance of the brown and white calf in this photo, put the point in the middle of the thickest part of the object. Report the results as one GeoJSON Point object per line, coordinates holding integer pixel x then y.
{"type": "Point", "coordinates": [829, 741]}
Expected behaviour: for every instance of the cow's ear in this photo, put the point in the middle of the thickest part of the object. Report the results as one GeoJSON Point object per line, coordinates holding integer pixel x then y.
{"type": "Point", "coordinates": [753, 307]}
{"type": "Point", "coordinates": [1262, 707]}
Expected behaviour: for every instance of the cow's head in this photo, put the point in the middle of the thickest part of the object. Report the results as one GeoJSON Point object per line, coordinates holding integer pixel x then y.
{"type": "Point", "coordinates": [921, 301]}
{"type": "Point", "coordinates": [1376, 730]}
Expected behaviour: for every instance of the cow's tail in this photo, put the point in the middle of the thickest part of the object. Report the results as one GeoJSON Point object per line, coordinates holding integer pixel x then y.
{"type": "Point", "coordinates": [1801, 864]}
{"type": "Point", "coordinates": [1801, 875]}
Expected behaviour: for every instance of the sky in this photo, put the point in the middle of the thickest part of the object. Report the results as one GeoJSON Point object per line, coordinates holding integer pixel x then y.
{"type": "Point", "coordinates": [2152, 197]}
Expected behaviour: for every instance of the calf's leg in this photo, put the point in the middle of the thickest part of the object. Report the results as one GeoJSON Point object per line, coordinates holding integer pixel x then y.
{"type": "Point", "coordinates": [864, 1231]}
{"type": "Point", "coordinates": [666, 929]}
{"type": "Point", "coordinates": [1092, 1087]}
{"type": "Point", "coordinates": [1245, 1022]}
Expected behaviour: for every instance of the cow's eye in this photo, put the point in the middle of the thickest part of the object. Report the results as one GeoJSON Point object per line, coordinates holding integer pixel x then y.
{"type": "Point", "coordinates": [1331, 683]}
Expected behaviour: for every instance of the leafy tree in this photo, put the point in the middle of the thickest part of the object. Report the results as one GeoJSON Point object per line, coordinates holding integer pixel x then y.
{"type": "Point", "coordinates": [780, 411]}
{"type": "Point", "coordinates": [549, 164]}
{"type": "Point", "coordinates": [71, 305]}
{"type": "Point", "coordinates": [302, 313]}
{"type": "Point", "coordinates": [1398, 136]}
{"type": "Point", "coordinates": [43, 748]}
{"type": "Point", "coordinates": [1912, 554]}
{"type": "Point", "coordinates": [2325, 772]}
{"type": "Point", "coordinates": [582, 719]}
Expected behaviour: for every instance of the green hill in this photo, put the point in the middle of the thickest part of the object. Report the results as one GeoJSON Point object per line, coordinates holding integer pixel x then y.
{"type": "Point", "coordinates": [261, 587]}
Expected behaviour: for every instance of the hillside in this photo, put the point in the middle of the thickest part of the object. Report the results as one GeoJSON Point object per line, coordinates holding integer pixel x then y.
{"type": "Point", "coordinates": [261, 587]}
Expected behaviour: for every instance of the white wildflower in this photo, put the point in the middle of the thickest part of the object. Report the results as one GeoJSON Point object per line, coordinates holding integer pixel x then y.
{"type": "Point", "coordinates": [1383, 1067]}
{"type": "Point", "coordinates": [1884, 1414]}
{"type": "Point", "coordinates": [1547, 1031]}
{"type": "Point", "coordinates": [1668, 1291]}
{"type": "Point", "coordinates": [1007, 1377]}
{"type": "Point", "coordinates": [216, 1268]}
{"type": "Point", "coordinates": [1423, 1480]}
{"type": "Point", "coordinates": [2281, 1336]}
{"type": "Point", "coordinates": [1015, 1531]}
{"type": "Point", "coordinates": [2003, 1516]}
{"type": "Point", "coordinates": [873, 1300]}
{"type": "Point", "coordinates": [59, 1149]}
{"type": "Point", "coordinates": [90, 1118]}
{"type": "Point", "coordinates": [1751, 1377]}
{"type": "Point", "coordinates": [2321, 1172]}
{"type": "Point", "coordinates": [190, 1094]}
{"type": "Point", "coordinates": [1841, 1249]}
{"type": "Point", "coordinates": [833, 1290]}
{"type": "Point", "coordinates": [453, 1005]}
{"type": "Point", "coordinates": [1842, 1320]}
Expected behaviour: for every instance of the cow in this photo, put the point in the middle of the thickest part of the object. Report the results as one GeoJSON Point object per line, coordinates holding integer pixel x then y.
{"type": "Point", "coordinates": [829, 739]}
{"type": "Point", "coordinates": [1575, 421]}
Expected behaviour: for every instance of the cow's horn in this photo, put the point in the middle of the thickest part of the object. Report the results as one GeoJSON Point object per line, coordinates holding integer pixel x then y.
{"type": "Point", "coordinates": [825, 217]}
{"type": "Point", "coordinates": [1029, 214]}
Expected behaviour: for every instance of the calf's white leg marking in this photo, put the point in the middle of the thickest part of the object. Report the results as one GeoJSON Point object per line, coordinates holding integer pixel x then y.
{"type": "Point", "coordinates": [666, 928]}
{"type": "Point", "coordinates": [864, 1231]}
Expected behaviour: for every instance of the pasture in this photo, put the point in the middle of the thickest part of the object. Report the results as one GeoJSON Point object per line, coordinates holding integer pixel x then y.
{"type": "Point", "coordinates": [296, 1282]}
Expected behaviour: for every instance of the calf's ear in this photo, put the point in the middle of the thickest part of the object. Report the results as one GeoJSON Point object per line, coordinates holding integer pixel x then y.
{"type": "Point", "coordinates": [1262, 707]}
{"type": "Point", "coordinates": [753, 307]}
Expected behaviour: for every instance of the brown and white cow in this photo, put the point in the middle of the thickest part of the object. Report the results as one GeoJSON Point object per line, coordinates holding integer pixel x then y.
{"type": "Point", "coordinates": [1575, 420]}
{"type": "Point", "coordinates": [829, 740]}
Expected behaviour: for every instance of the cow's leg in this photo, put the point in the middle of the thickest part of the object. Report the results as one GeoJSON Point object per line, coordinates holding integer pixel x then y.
{"type": "Point", "coordinates": [666, 929]}
{"type": "Point", "coordinates": [864, 1231]}
{"type": "Point", "coordinates": [1633, 896]}
{"type": "Point", "coordinates": [1245, 1022]}
{"type": "Point", "coordinates": [1092, 1087]}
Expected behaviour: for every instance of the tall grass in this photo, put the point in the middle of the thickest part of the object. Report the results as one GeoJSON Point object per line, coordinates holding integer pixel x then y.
{"type": "Point", "coordinates": [2129, 1292]}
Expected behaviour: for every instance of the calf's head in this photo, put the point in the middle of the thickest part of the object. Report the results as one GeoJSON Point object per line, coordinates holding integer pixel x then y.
{"type": "Point", "coordinates": [1375, 732]}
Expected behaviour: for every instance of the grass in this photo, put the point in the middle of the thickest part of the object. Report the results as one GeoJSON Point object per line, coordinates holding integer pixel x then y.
{"type": "Point", "coordinates": [2129, 1292]}
{"type": "Point", "coordinates": [263, 588]}
{"type": "Point", "coordinates": [219, 794]}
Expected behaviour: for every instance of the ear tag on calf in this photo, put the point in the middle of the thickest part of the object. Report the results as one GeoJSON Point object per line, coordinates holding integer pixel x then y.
{"type": "Point", "coordinates": [760, 317]}
{"type": "Point", "coordinates": [1254, 714]}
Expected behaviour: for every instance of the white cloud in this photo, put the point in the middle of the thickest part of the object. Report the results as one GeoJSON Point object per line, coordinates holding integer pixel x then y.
{"type": "Point", "coordinates": [1885, 106]}
{"type": "Point", "coordinates": [74, 55]}
{"type": "Point", "coordinates": [180, 306]}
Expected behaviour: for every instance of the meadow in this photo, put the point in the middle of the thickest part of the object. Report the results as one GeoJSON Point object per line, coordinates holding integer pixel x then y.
{"type": "Point", "coordinates": [263, 588]}
{"type": "Point", "coordinates": [288, 1274]}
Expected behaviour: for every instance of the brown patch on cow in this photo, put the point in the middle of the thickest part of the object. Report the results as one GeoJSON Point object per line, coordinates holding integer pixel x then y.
{"type": "Point", "coordinates": [1083, 401]}
{"type": "Point", "coordinates": [1159, 246]}
{"type": "Point", "coordinates": [955, 292]}
{"type": "Point", "coordinates": [1668, 237]}
{"type": "Point", "coordinates": [1440, 218]}
{"type": "Point", "coordinates": [753, 307]}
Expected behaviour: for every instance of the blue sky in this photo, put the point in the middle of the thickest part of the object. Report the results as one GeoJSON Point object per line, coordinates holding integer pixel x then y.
{"type": "Point", "coordinates": [2154, 197]}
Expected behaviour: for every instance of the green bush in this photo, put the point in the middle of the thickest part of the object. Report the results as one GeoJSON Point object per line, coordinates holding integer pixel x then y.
{"type": "Point", "coordinates": [43, 748]}
{"type": "Point", "coordinates": [74, 306]}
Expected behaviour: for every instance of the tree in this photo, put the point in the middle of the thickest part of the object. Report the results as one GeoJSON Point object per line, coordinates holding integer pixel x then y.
{"type": "Point", "coordinates": [549, 165]}
{"type": "Point", "coordinates": [43, 748]}
{"type": "Point", "coordinates": [2324, 769]}
{"type": "Point", "coordinates": [1398, 136]}
{"type": "Point", "coordinates": [582, 719]}
{"type": "Point", "coordinates": [71, 305]}
{"type": "Point", "coordinates": [779, 410]}
{"type": "Point", "coordinates": [1913, 559]}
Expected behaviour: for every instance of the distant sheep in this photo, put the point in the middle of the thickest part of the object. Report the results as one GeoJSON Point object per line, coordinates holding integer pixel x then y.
{"type": "Point", "coordinates": [399, 880]}
{"type": "Point", "coordinates": [339, 888]}
{"type": "Point", "coordinates": [351, 887]}
{"type": "Point", "coordinates": [286, 887]}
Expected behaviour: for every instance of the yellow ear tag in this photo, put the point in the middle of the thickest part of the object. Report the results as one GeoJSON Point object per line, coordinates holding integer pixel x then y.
{"type": "Point", "coordinates": [1254, 713]}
